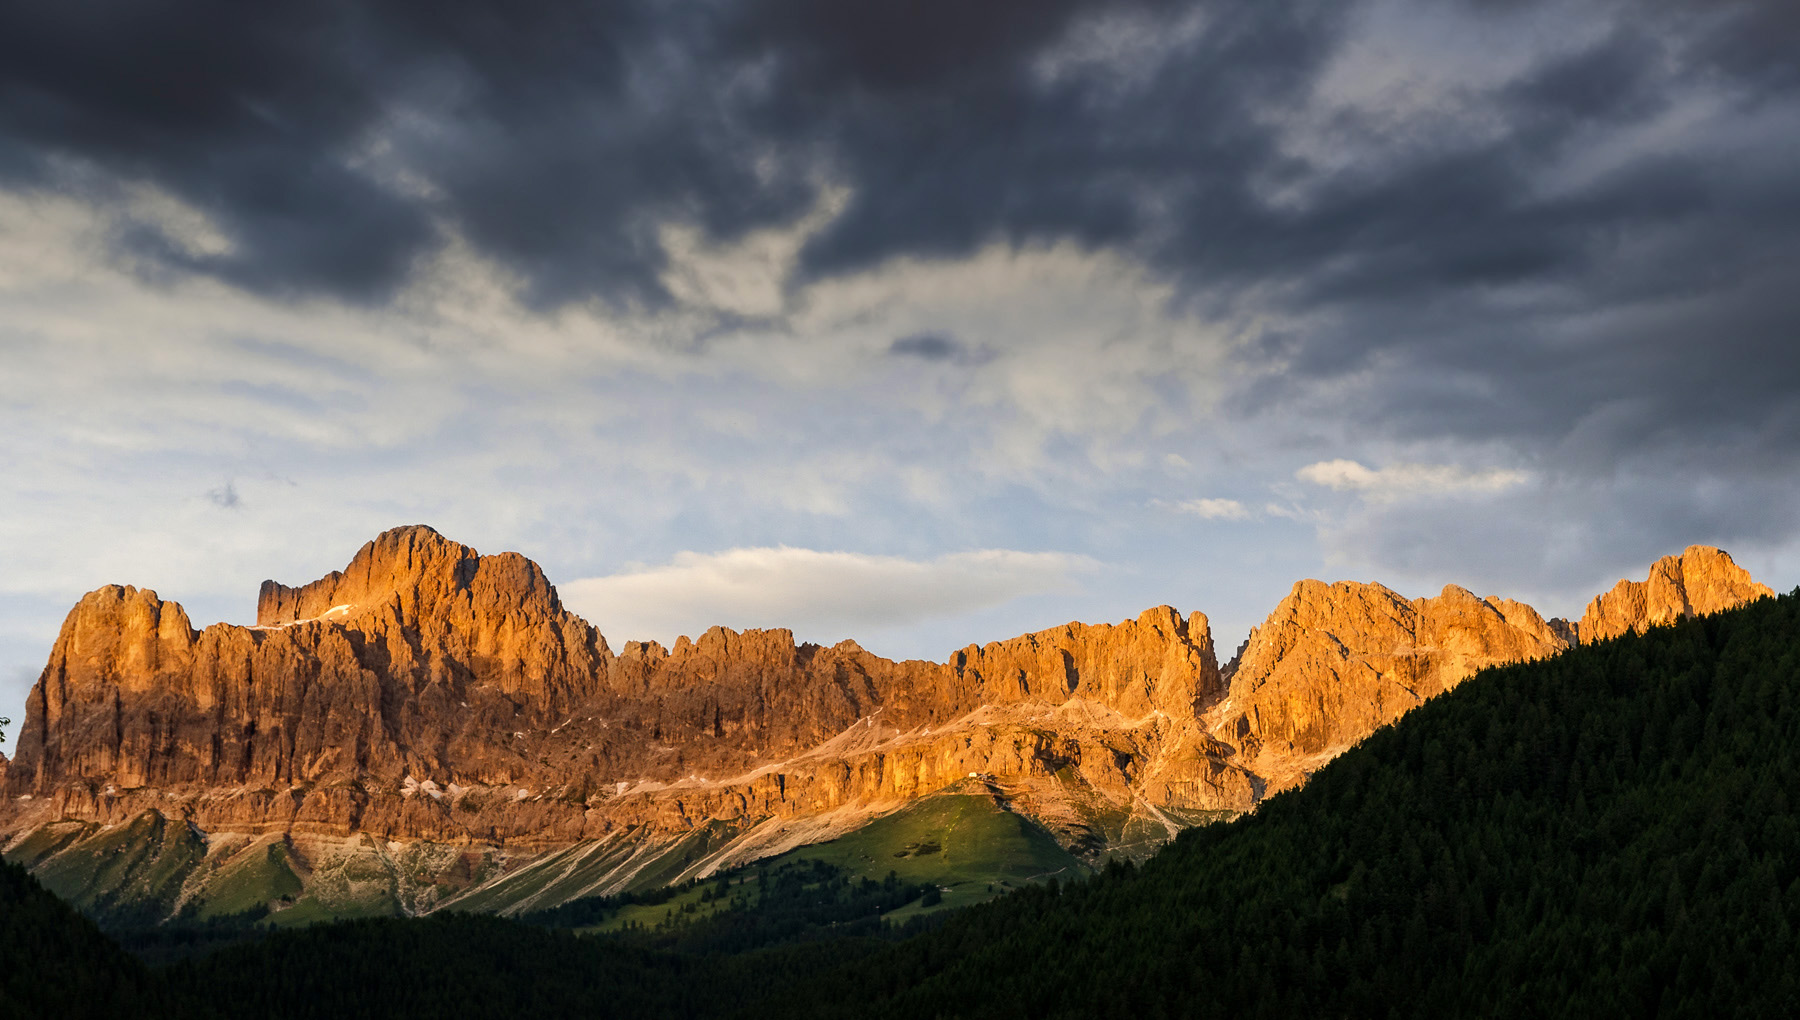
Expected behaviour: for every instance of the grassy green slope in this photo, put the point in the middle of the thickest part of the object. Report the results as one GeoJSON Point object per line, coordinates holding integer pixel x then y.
{"type": "Point", "coordinates": [948, 850]}
{"type": "Point", "coordinates": [1612, 832]}
{"type": "Point", "coordinates": [152, 869]}
{"type": "Point", "coordinates": [627, 862]}
{"type": "Point", "coordinates": [963, 842]}
{"type": "Point", "coordinates": [249, 881]}
{"type": "Point", "coordinates": [130, 875]}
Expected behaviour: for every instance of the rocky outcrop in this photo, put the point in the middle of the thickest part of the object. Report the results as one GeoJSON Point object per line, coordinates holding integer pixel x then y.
{"type": "Point", "coordinates": [1335, 661]}
{"type": "Point", "coordinates": [434, 612]}
{"type": "Point", "coordinates": [427, 692]}
{"type": "Point", "coordinates": [438, 652]}
{"type": "Point", "coordinates": [1157, 663]}
{"type": "Point", "coordinates": [434, 696]}
{"type": "Point", "coordinates": [1701, 580]}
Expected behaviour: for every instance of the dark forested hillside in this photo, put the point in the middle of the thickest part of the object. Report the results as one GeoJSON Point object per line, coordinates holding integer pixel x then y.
{"type": "Point", "coordinates": [54, 962]}
{"type": "Point", "coordinates": [1611, 832]}
{"type": "Point", "coordinates": [455, 965]}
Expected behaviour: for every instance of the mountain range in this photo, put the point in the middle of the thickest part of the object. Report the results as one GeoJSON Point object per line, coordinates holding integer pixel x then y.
{"type": "Point", "coordinates": [431, 728]}
{"type": "Point", "coordinates": [1606, 832]}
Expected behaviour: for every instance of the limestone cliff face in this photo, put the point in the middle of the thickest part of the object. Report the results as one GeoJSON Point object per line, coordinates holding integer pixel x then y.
{"type": "Point", "coordinates": [1335, 661]}
{"type": "Point", "coordinates": [1157, 663]}
{"type": "Point", "coordinates": [428, 694]}
{"type": "Point", "coordinates": [434, 611]}
{"type": "Point", "coordinates": [1701, 580]}
{"type": "Point", "coordinates": [436, 652]}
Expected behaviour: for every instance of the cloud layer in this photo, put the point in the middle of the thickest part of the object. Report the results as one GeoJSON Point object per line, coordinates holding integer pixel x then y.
{"type": "Point", "coordinates": [1217, 294]}
{"type": "Point", "coordinates": [1400, 480]}
{"type": "Point", "coordinates": [1570, 225]}
{"type": "Point", "coordinates": [832, 595]}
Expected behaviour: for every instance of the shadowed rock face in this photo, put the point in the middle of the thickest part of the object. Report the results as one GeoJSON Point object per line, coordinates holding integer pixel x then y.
{"type": "Point", "coordinates": [428, 693]}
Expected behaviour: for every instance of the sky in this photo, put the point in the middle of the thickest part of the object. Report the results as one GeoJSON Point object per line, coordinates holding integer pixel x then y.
{"type": "Point", "coordinates": [921, 323]}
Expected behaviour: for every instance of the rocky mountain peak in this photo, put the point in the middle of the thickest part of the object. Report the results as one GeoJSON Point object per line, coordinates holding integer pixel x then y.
{"type": "Point", "coordinates": [416, 571]}
{"type": "Point", "coordinates": [1700, 580]}
{"type": "Point", "coordinates": [1334, 661]}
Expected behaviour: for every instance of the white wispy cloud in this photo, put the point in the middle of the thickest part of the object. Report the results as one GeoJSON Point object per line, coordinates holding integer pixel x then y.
{"type": "Point", "coordinates": [1401, 480]}
{"type": "Point", "coordinates": [1210, 508]}
{"type": "Point", "coordinates": [1292, 512]}
{"type": "Point", "coordinates": [819, 594]}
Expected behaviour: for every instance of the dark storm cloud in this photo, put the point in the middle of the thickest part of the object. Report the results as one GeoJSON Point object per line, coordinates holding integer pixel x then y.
{"type": "Point", "coordinates": [1661, 324]}
{"type": "Point", "coordinates": [1485, 264]}
{"type": "Point", "coordinates": [333, 142]}
{"type": "Point", "coordinates": [243, 109]}
{"type": "Point", "coordinates": [557, 136]}
{"type": "Point", "coordinates": [545, 152]}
